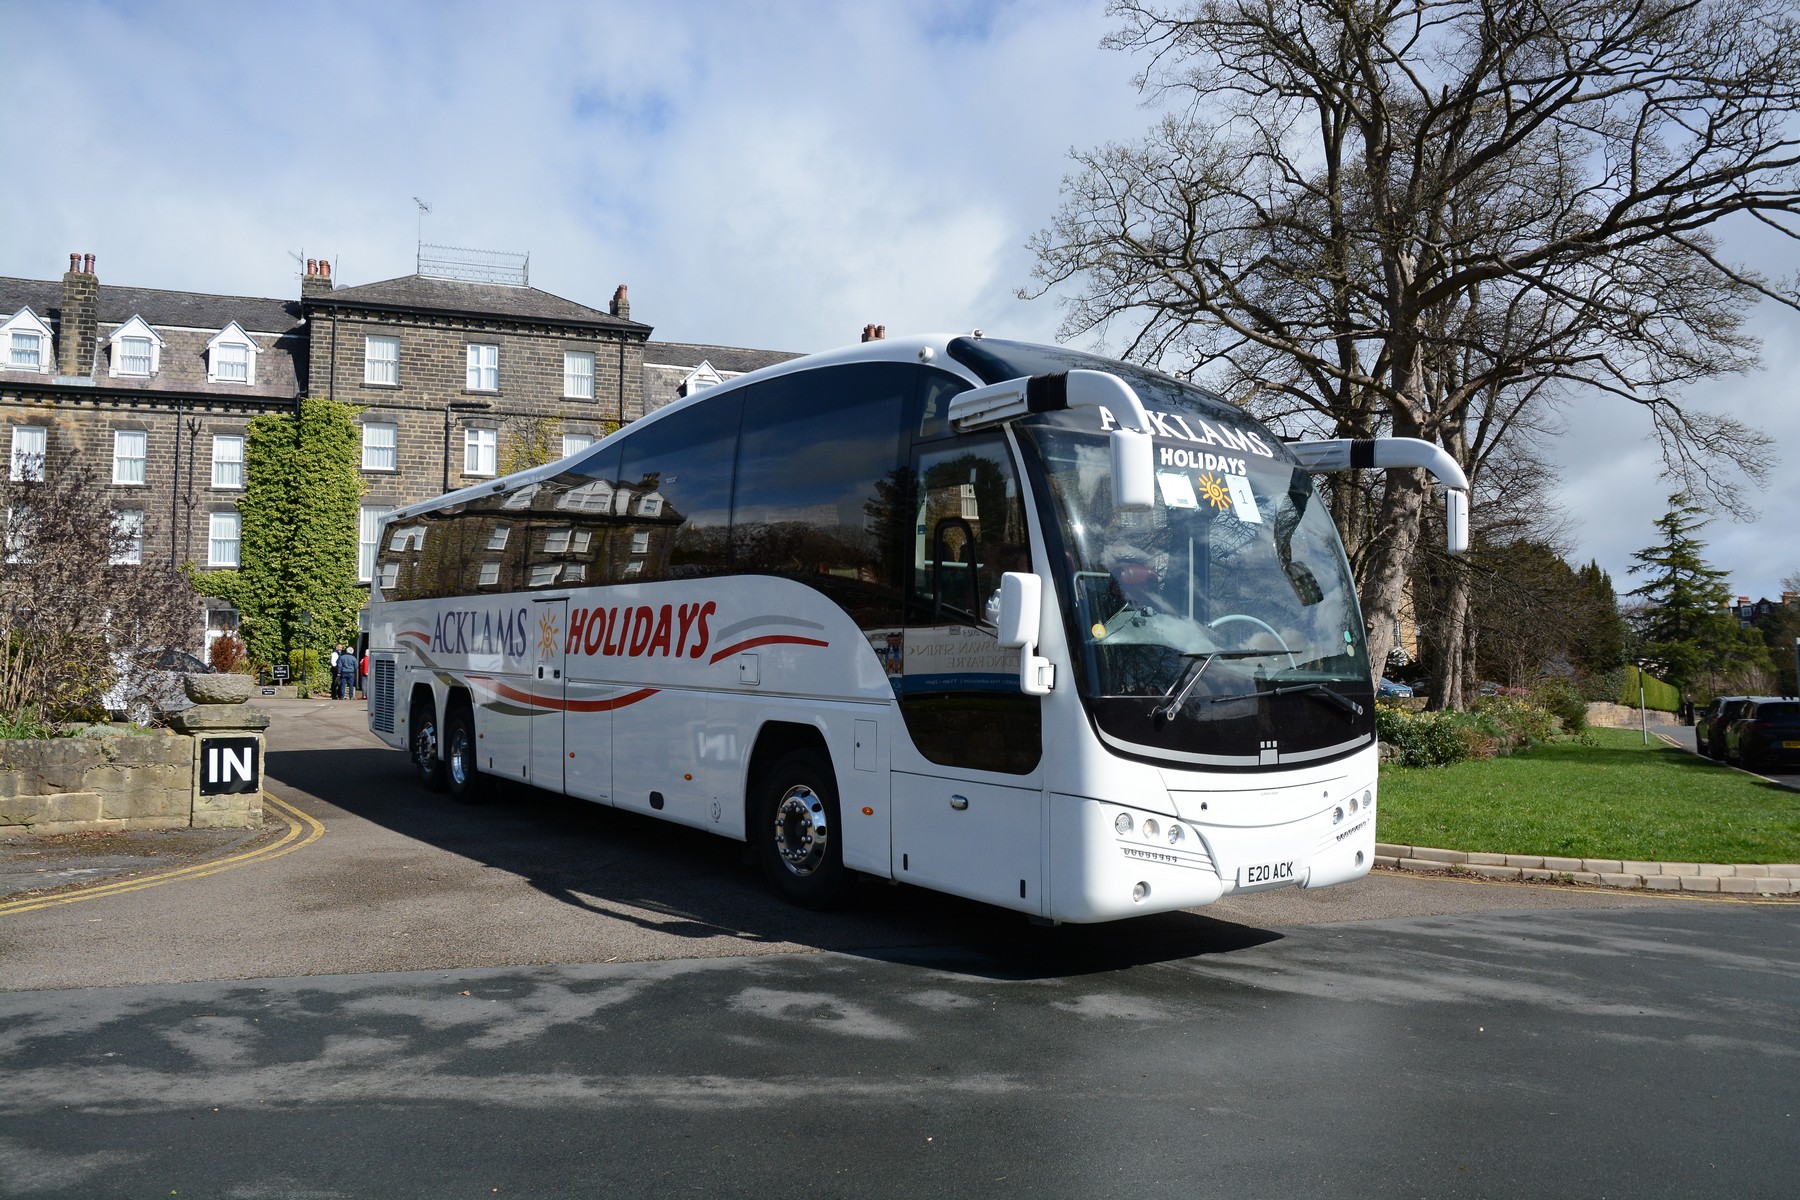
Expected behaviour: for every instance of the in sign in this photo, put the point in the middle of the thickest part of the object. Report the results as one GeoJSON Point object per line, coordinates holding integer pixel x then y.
{"type": "Point", "coordinates": [228, 766]}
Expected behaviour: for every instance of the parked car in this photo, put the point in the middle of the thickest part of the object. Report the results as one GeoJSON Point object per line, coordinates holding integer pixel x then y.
{"type": "Point", "coordinates": [1391, 689]}
{"type": "Point", "coordinates": [150, 682]}
{"type": "Point", "coordinates": [1709, 725]}
{"type": "Point", "coordinates": [1766, 735]}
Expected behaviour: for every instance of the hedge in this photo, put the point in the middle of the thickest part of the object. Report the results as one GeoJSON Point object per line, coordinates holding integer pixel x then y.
{"type": "Point", "coordinates": [1658, 695]}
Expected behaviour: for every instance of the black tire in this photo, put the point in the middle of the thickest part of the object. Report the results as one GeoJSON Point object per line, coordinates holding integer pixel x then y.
{"type": "Point", "coordinates": [426, 756]}
{"type": "Point", "coordinates": [796, 830]}
{"type": "Point", "coordinates": [461, 771]}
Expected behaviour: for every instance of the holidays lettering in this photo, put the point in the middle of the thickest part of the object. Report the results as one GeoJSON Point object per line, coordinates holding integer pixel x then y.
{"type": "Point", "coordinates": [1177, 428]}
{"type": "Point", "coordinates": [475, 631]}
{"type": "Point", "coordinates": [1173, 457]}
{"type": "Point", "coordinates": [640, 631]}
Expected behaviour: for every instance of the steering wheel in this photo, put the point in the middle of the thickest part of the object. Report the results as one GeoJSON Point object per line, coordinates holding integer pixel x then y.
{"type": "Point", "coordinates": [1261, 624]}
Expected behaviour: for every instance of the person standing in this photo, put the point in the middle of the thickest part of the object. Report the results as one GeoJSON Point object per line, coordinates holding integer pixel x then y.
{"type": "Point", "coordinates": [337, 680]}
{"type": "Point", "coordinates": [347, 663]}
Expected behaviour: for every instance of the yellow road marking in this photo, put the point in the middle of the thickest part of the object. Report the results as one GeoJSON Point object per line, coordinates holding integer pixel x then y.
{"type": "Point", "coordinates": [302, 830]}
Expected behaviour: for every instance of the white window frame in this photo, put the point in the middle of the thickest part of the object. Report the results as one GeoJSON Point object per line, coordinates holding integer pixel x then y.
{"type": "Point", "coordinates": [381, 369]}
{"type": "Point", "coordinates": [25, 324]}
{"type": "Point", "coordinates": [227, 470]}
{"type": "Point", "coordinates": [231, 338]}
{"type": "Point", "coordinates": [29, 441]}
{"type": "Point", "coordinates": [575, 443]}
{"type": "Point", "coordinates": [377, 455]}
{"type": "Point", "coordinates": [130, 470]}
{"type": "Point", "coordinates": [481, 451]}
{"type": "Point", "coordinates": [128, 521]}
{"type": "Point", "coordinates": [484, 367]}
{"type": "Point", "coordinates": [224, 539]}
{"type": "Point", "coordinates": [578, 374]}
{"type": "Point", "coordinates": [368, 538]}
{"type": "Point", "coordinates": [125, 336]}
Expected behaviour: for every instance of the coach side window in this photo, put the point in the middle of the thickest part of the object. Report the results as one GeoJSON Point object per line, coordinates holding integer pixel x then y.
{"type": "Point", "coordinates": [820, 460]}
{"type": "Point", "coordinates": [675, 488]}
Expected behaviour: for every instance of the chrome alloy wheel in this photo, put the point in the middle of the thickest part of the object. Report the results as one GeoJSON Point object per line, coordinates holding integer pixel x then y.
{"type": "Point", "coordinates": [459, 762]}
{"type": "Point", "coordinates": [801, 834]}
{"type": "Point", "coordinates": [425, 742]}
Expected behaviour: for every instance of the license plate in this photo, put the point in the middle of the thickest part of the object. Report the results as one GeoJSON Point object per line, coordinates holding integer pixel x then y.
{"type": "Point", "coordinates": [1257, 874]}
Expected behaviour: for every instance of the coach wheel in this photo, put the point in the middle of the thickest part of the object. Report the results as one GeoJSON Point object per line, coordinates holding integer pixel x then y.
{"type": "Point", "coordinates": [464, 777]}
{"type": "Point", "coordinates": [426, 759]}
{"type": "Point", "coordinates": [797, 830]}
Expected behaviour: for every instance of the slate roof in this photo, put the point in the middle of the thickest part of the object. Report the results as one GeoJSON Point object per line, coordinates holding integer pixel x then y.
{"type": "Point", "coordinates": [421, 292]}
{"type": "Point", "coordinates": [189, 310]}
{"type": "Point", "coordinates": [726, 360]}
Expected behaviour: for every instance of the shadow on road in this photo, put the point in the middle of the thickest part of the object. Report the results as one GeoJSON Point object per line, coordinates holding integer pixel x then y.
{"type": "Point", "coordinates": [623, 866]}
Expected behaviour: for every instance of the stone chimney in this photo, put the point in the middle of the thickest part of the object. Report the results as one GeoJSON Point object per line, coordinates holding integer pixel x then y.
{"type": "Point", "coordinates": [874, 333]}
{"type": "Point", "coordinates": [317, 281]}
{"type": "Point", "coordinates": [78, 327]}
{"type": "Point", "coordinates": [621, 305]}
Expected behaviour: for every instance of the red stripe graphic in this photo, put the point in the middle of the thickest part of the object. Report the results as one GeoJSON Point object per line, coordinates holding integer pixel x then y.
{"type": "Point", "coordinates": [552, 702]}
{"type": "Point", "coordinates": [423, 637]}
{"type": "Point", "coordinates": [767, 640]}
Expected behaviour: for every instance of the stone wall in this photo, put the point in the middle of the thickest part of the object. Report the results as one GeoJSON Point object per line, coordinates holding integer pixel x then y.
{"type": "Point", "coordinates": [112, 782]}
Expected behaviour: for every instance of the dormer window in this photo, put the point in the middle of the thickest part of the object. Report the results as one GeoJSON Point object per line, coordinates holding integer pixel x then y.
{"type": "Point", "coordinates": [231, 356]}
{"type": "Point", "coordinates": [699, 379]}
{"type": "Point", "coordinates": [136, 349]}
{"type": "Point", "coordinates": [25, 343]}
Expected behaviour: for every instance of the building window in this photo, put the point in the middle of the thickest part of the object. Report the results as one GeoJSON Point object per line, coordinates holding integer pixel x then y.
{"type": "Point", "coordinates": [497, 539]}
{"type": "Point", "coordinates": [28, 449]}
{"type": "Point", "coordinates": [368, 528]}
{"type": "Point", "coordinates": [222, 540]}
{"type": "Point", "coordinates": [379, 446]}
{"type": "Point", "coordinates": [381, 361]}
{"type": "Point", "coordinates": [128, 455]}
{"type": "Point", "coordinates": [490, 574]}
{"type": "Point", "coordinates": [578, 375]}
{"type": "Point", "coordinates": [228, 461]}
{"type": "Point", "coordinates": [128, 537]}
{"type": "Point", "coordinates": [484, 369]}
{"type": "Point", "coordinates": [134, 356]}
{"type": "Point", "coordinates": [231, 364]}
{"type": "Point", "coordinates": [481, 451]}
{"type": "Point", "coordinates": [27, 352]}
{"type": "Point", "coordinates": [575, 443]}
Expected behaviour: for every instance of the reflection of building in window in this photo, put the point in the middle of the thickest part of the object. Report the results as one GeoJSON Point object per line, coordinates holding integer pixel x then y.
{"type": "Point", "coordinates": [595, 497]}
{"type": "Point", "coordinates": [490, 574]}
{"type": "Point", "coordinates": [497, 539]}
{"type": "Point", "coordinates": [640, 543]}
{"type": "Point", "coordinates": [556, 541]}
{"type": "Point", "coordinates": [544, 574]}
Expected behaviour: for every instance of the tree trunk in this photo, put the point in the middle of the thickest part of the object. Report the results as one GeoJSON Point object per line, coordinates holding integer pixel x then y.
{"type": "Point", "coordinates": [1390, 554]}
{"type": "Point", "coordinates": [1455, 644]}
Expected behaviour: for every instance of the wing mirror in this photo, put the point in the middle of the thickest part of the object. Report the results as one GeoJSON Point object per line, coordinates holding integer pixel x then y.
{"type": "Point", "coordinates": [1021, 615]}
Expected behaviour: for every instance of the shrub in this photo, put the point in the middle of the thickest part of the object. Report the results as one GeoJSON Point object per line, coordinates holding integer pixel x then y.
{"type": "Point", "coordinates": [227, 654]}
{"type": "Point", "coordinates": [1423, 739]}
{"type": "Point", "coordinates": [1561, 698]}
{"type": "Point", "coordinates": [1516, 721]}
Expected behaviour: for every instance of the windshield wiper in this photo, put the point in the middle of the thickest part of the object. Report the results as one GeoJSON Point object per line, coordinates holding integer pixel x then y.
{"type": "Point", "coordinates": [1185, 681]}
{"type": "Point", "coordinates": [1319, 690]}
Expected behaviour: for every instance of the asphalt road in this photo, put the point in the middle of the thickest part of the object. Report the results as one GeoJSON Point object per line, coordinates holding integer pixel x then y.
{"type": "Point", "coordinates": [538, 998]}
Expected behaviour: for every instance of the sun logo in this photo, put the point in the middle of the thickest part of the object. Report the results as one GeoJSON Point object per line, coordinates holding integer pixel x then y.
{"type": "Point", "coordinates": [1213, 488]}
{"type": "Point", "coordinates": [548, 627]}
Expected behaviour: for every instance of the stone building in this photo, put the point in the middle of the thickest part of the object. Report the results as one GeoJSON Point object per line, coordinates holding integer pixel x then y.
{"type": "Point", "coordinates": [153, 390]}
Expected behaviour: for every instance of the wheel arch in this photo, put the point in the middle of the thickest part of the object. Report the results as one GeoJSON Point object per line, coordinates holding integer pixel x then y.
{"type": "Point", "coordinates": [774, 741]}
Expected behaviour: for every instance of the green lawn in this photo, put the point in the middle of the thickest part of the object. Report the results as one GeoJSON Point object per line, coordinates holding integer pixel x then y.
{"type": "Point", "coordinates": [1618, 800]}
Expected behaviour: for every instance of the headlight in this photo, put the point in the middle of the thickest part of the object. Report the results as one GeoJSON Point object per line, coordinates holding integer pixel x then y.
{"type": "Point", "coordinates": [1122, 823]}
{"type": "Point", "coordinates": [1176, 833]}
{"type": "Point", "coordinates": [1151, 828]}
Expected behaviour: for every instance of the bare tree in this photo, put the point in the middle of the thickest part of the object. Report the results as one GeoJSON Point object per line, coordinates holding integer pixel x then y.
{"type": "Point", "coordinates": [1411, 216]}
{"type": "Point", "coordinates": [79, 600]}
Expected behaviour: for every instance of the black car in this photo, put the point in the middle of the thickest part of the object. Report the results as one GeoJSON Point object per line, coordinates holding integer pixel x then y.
{"type": "Point", "coordinates": [1766, 735]}
{"type": "Point", "coordinates": [1709, 726]}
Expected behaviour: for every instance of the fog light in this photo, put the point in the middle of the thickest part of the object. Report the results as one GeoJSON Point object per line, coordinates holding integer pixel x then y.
{"type": "Point", "coordinates": [1368, 800]}
{"type": "Point", "coordinates": [1122, 823]}
{"type": "Point", "coordinates": [1337, 814]}
{"type": "Point", "coordinates": [1176, 833]}
{"type": "Point", "coordinates": [1140, 892]}
{"type": "Point", "coordinates": [1353, 804]}
{"type": "Point", "coordinates": [1151, 828]}
{"type": "Point", "coordinates": [1359, 858]}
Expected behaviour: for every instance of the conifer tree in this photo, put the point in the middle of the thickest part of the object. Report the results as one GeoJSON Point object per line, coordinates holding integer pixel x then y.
{"type": "Point", "coordinates": [1685, 625]}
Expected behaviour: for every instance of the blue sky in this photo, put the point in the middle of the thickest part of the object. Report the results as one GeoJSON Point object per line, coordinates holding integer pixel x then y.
{"type": "Point", "coordinates": [772, 175]}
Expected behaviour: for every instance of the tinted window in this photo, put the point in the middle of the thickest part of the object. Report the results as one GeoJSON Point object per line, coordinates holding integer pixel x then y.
{"type": "Point", "coordinates": [818, 472]}
{"type": "Point", "coordinates": [674, 488]}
